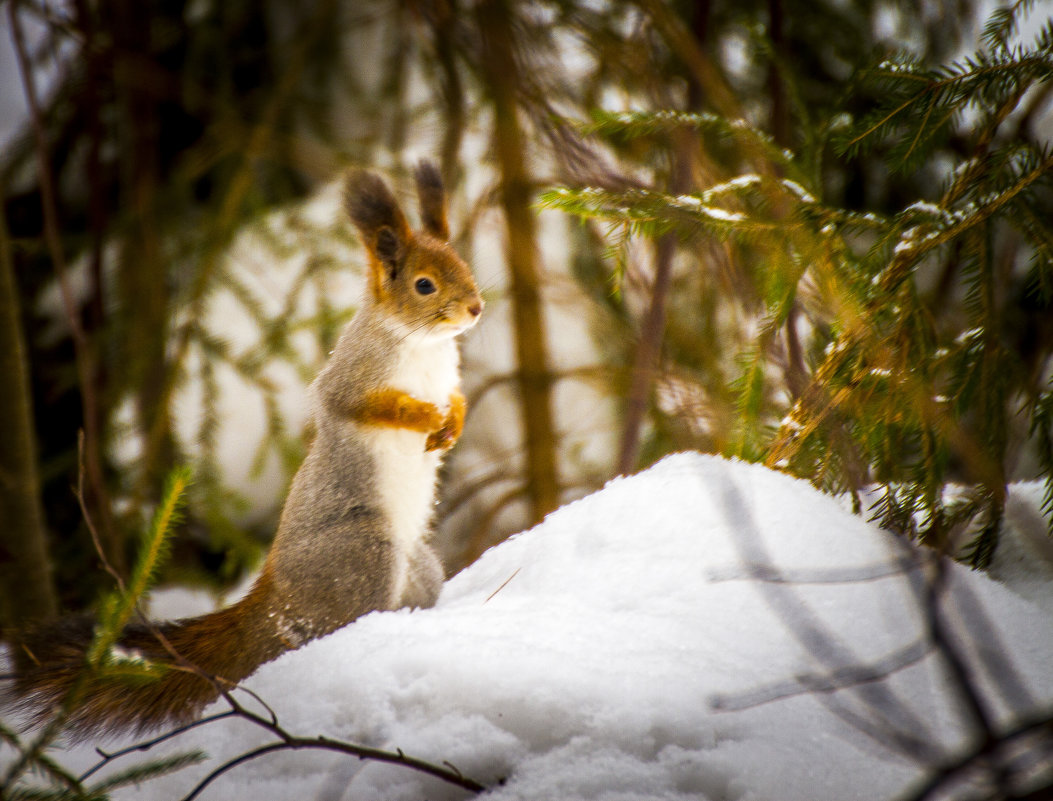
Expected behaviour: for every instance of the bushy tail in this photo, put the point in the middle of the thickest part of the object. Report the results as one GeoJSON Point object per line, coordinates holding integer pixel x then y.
{"type": "Point", "coordinates": [223, 647]}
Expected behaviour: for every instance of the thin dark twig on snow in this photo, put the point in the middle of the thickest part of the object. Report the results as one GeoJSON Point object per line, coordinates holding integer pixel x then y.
{"type": "Point", "coordinates": [109, 756]}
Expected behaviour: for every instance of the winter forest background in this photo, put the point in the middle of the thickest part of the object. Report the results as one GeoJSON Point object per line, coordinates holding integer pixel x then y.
{"type": "Point", "coordinates": [812, 235]}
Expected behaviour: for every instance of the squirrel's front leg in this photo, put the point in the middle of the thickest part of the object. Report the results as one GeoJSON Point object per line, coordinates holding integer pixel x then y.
{"type": "Point", "coordinates": [396, 409]}
{"type": "Point", "coordinates": [452, 426]}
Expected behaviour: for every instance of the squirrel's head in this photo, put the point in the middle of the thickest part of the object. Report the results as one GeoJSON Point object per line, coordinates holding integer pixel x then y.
{"type": "Point", "coordinates": [416, 278]}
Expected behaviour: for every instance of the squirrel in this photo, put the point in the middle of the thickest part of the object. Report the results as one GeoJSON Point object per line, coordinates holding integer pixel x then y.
{"type": "Point", "coordinates": [352, 537]}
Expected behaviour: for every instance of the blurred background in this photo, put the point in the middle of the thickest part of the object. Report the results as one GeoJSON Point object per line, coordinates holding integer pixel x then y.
{"type": "Point", "coordinates": [814, 234]}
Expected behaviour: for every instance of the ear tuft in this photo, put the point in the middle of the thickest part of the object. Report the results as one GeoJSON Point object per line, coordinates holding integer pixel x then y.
{"type": "Point", "coordinates": [432, 200]}
{"type": "Point", "coordinates": [376, 214]}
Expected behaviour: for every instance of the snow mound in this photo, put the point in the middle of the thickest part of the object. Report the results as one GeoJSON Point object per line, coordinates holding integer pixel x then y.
{"type": "Point", "coordinates": [707, 629]}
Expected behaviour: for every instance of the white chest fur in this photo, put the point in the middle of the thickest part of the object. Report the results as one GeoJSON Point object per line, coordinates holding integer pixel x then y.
{"type": "Point", "coordinates": [429, 370]}
{"type": "Point", "coordinates": [406, 473]}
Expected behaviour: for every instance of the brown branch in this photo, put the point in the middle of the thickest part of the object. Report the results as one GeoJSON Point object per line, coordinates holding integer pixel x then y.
{"type": "Point", "coordinates": [645, 362]}
{"type": "Point", "coordinates": [585, 373]}
{"type": "Point", "coordinates": [689, 42]}
{"type": "Point", "coordinates": [111, 756]}
{"type": "Point", "coordinates": [396, 757]}
{"type": "Point", "coordinates": [286, 741]}
{"type": "Point", "coordinates": [469, 489]}
{"type": "Point", "coordinates": [86, 514]}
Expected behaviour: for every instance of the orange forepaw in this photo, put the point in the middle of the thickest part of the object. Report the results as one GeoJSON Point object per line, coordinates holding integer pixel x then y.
{"type": "Point", "coordinates": [394, 408]}
{"type": "Point", "coordinates": [452, 426]}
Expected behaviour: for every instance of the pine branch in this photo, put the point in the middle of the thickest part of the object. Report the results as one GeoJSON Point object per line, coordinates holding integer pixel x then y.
{"type": "Point", "coordinates": [146, 771]}
{"type": "Point", "coordinates": [117, 610]}
{"type": "Point", "coordinates": [916, 242]}
{"type": "Point", "coordinates": [924, 102]}
{"type": "Point", "coordinates": [42, 763]}
{"type": "Point", "coordinates": [1003, 24]}
{"type": "Point", "coordinates": [629, 125]}
{"type": "Point", "coordinates": [654, 213]}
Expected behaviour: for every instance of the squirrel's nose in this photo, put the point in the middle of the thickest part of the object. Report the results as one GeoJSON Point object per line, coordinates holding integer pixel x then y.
{"type": "Point", "coordinates": [476, 308]}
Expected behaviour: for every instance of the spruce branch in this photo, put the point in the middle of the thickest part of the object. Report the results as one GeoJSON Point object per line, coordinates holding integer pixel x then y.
{"type": "Point", "coordinates": [117, 610]}
{"type": "Point", "coordinates": [146, 771]}
{"type": "Point", "coordinates": [1003, 24]}
{"type": "Point", "coordinates": [629, 125]}
{"type": "Point", "coordinates": [914, 243]}
{"type": "Point", "coordinates": [40, 762]}
{"type": "Point", "coordinates": [923, 101]}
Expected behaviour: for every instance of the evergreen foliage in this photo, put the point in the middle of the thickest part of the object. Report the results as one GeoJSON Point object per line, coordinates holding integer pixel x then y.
{"type": "Point", "coordinates": [117, 609]}
{"type": "Point", "coordinates": [886, 346]}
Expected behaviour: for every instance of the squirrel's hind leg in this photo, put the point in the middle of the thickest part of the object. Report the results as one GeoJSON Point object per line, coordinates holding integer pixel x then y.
{"type": "Point", "coordinates": [340, 572]}
{"type": "Point", "coordinates": [423, 579]}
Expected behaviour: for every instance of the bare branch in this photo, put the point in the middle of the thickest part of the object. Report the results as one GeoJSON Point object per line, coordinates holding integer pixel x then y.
{"type": "Point", "coordinates": [110, 756]}
{"type": "Point", "coordinates": [286, 741]}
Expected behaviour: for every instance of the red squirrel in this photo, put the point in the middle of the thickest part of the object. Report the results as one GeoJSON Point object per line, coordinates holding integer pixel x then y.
{"type": "Point", "coordinates": [352, 537]}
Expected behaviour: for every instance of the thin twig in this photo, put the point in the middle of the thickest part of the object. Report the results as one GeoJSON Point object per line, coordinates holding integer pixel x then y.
{"type": "Point", "coordinates": [288, 742]}
{"type": "Point", "coordinates": [266, 749]}
{"type": "Point", "coordinates": [447, 772]}
{"type": "Point", "coordinates": [88, 522]}
{"type": "Point", "coordinates": [503, 585]}
{"type": "Point", "coordinates": [110, 756]}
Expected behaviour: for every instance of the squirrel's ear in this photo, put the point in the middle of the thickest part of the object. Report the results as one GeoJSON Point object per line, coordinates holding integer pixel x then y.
{"type": "Point", "coordinates": [376, 214]}
{"type": "Point", "coordinates": [432, 200]}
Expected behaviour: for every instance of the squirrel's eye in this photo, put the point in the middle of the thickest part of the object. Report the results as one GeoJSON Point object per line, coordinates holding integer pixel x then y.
{"type": "Point", "coordinates": [424, 286]}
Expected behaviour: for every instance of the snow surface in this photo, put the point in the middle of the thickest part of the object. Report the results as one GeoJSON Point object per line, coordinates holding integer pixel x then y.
{"type": "Point", "coordinates": [652, 641]}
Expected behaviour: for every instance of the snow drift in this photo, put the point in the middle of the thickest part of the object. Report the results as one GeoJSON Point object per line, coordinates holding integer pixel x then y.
{"type": "Point", "coordinates": [707, 629]}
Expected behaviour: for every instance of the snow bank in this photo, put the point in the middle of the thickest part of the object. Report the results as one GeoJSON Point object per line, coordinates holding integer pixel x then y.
{"type": "Point", "coordinates": [656, 640]}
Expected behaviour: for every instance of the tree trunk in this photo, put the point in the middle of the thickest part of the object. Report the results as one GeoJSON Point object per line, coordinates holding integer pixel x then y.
{"type": "Point", "coordinates": [142, 278]}
{"type": "Point", "coordinates": [26, 589]}
{"type": "Point", "coordinates": [502, 78]}
{"type": "Point", "coordinates": [652, 331]}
